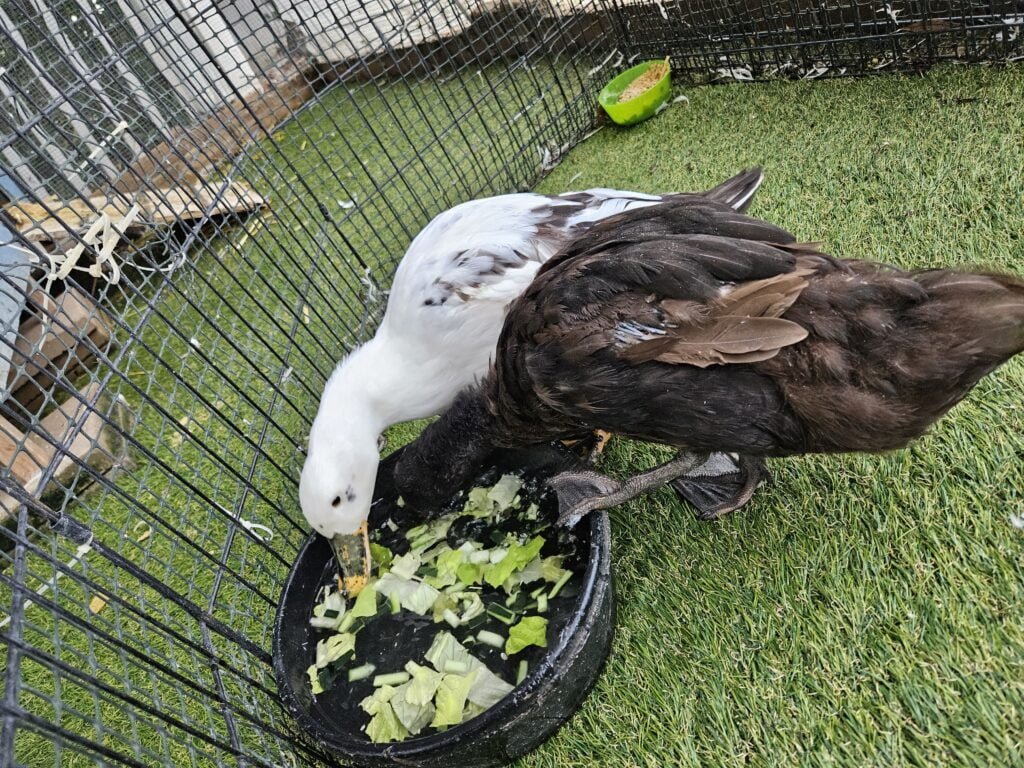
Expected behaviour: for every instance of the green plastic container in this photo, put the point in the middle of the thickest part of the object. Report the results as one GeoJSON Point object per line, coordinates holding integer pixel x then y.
{"type": "Point", "coordinates": [640, 107]}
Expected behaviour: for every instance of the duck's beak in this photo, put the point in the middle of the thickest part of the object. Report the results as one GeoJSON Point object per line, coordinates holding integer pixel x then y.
{"type": "Point", "coordinates": [352, 551]}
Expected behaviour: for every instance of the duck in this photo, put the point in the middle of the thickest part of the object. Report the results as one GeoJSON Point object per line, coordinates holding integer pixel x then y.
{"type": "Point", "coordinates": [444, 314]}
{"type": "Point", "coordinates": [706, 330]}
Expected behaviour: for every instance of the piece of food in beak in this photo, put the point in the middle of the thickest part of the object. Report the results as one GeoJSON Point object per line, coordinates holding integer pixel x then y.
{"type": "Point", "coordinates": [352, 551]}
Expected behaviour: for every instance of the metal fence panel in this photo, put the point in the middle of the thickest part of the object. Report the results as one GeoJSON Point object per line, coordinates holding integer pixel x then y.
{"type": "Point", "coordinates": [206, 207]}
{"type": "Point", "coordinates": [205, 203]}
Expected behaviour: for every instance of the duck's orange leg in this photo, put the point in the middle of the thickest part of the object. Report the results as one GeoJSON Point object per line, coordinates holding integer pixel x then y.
{"type": "Point", "coordinates": [592, 446]}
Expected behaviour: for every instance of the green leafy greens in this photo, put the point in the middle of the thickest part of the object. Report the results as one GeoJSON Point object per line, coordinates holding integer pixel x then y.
{"type": "Point", "coordinates": [463, 588]}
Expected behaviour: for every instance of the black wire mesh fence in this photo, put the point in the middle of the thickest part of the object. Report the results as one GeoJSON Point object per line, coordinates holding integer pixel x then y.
{"type": "Point", "coordinates": [742, 40]}
{"type": "Point", "coordinates": [207, 202]}
{"type": "Point", "coordinates": [203, 205]}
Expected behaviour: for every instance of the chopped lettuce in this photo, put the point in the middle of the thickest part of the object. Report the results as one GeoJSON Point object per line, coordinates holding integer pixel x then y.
{"type": "Point", "coordinates": [488, 687]}
{"type": "Point", "coordinates": [532, 630]}
{"type": "Point", "coordinates": [413, 717]}
{"type": "Point", "coordinates": [405, 567]}
{"type": "Point", "coordinates": [443, 603]}
{"type": "Point", "coordinates": [533, 571]}
{"type": "Point", "coordinates": [548, 569]}
{"type": "Point", "coordinates": [423, 537]}
{"type": "Point", "coordinates": [381, 557]}
{"type": "Point", "coordinates": [517, 557]}
{"type": "Point", "coordinates": [361, 672]}
{"type": "Point", "coordinates": [478, 503]}
{"type": "Point", "coordinates": [385, 726]}
{"type": "Point", "coordinates": [446, 648]}
{"type": "Point", "coordinates": [366, 602]}
{"type": "Point", "coordinates": [455, 667]}
{"type": "Point", "coordinates": [448, 584]}
{"type": "Point", "coordinates": [314, 680]}
{"type": "Point", "coordinates": [372, 704]}
{"type": "Point", "coordinates": [484, 501]}
{"type": "Point", "coordinates": [333, 648]}
{"type": "Point", "coordinates": [503, 493]}
{"type": "Point", "coordinates": [329, 613]}
{"type": "Point", "coordinates": [326, 622]}
{"type": "Point", "coordinates": [469, 573]}
{"type": "Point", "coordinates": [562, 581]}
{"type": "Point", "coordinates": [451, 699]}
{"type": "Point", "coordinates": [447, 564]}
{"type": "Point", "coordinates": [391, 678]}
{"type": "Point", "coordinates": [551, 568]}
{"type": "Point", "coordinates": [423, 685]}
{"type": "Point", "coordinates": [415, 596]}
{"type": "Point", "coordinates": [469, 604]}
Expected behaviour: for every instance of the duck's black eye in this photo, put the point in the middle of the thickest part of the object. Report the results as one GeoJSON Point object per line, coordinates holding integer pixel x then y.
{"type": "Point", "coordinates": [336, 502]}
{"type": "Point", "coordinates": [350, 495]}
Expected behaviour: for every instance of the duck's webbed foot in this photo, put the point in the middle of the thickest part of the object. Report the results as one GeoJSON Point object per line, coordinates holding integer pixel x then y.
{"type": "Point", "coordinates": [580, 493]}
{"type": "Point", "coordinates": [601, 440]}
{"type": "Point", "coordinates": [722, 484]}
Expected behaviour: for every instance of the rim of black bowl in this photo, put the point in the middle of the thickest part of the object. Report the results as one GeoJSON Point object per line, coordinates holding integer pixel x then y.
{"type": "Point", "coordinates": [349, 747]}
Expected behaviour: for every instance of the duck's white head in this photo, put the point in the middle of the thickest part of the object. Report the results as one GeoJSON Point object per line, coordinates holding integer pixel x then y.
{"type": "Point", "coordinates": [337, 481]}
{"type": "Point", "coordinates": [336, 485]}
{"type": "Point", "coordinates": [380, 383]}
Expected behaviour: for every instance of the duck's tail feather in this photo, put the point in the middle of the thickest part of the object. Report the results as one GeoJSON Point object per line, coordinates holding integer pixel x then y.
{"type": "Point", "coordinates": [970, 324]}
{"type": "Point", "coordinates": [986, 308]}
{"type": "Point", "coordinates": [737, 192]}
{"type": "Point", "coordinates": [909, 347]}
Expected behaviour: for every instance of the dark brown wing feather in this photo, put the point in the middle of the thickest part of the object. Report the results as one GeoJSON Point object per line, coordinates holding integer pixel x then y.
{"type": "Point", "coordinates": [668, 220]}
{"type": "Point", "coordinates": [712, 295]}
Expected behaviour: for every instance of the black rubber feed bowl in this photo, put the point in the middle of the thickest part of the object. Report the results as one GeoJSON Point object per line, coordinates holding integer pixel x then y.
{"type": "Point", "coordinates": [552, 691]}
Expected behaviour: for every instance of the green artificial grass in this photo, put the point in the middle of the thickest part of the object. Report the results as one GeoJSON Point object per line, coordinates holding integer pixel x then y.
{"type": "Point", "coordinates": [860, 611]}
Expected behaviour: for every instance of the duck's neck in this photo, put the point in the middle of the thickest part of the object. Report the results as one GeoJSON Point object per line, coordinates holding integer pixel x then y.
{"type": "Point", "coordinates": [449, 452]}
{"type": "Point", "coordinates": [377, 386]}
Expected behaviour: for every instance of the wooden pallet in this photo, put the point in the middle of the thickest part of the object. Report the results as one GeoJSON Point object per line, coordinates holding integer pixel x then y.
{"type": "Point", "coordinates": [51, 220]}
{"type": "Point", "coordinates": [49, 345]}
{"type": "Point", "coordinates": [56, 343]}
{"type": "Point", "coordinates": [28, 454]}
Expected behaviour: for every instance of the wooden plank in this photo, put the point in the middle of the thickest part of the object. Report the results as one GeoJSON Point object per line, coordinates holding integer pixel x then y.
{"type": "Point", "coordinates": [43, 345]}
{"type": "Point", "coordinates": [27, 455]}
{"type": "Point", "coordinates": [186, 204]}
{"type": "Point", "coordinates": [90, 444]}
{"type": "Point", "coordinates": [51, 219]}
{"type": "Point", "coordinates": [23, 464]}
